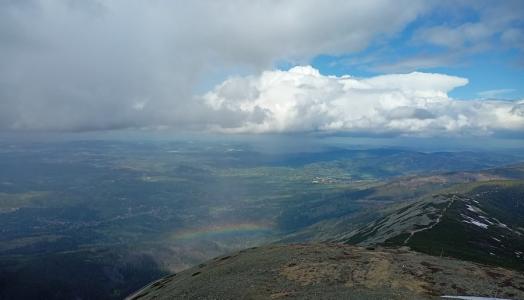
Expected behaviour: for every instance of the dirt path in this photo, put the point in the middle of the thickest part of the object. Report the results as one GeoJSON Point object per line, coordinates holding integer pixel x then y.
{"type": "Point", "coordinates": [412, 233]}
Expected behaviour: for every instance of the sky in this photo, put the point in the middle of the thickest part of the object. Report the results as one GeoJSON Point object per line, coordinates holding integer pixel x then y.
{"type": "Point", "coordinates": [373, 68]}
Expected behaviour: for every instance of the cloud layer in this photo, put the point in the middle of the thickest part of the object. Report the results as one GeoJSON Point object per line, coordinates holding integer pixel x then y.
{"type": "Point", "coordinates": [78, 65]}
{"type": "Point", "coordinates": [303, 100]}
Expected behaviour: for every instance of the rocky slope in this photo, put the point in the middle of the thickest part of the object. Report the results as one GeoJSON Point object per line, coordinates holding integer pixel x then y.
{"type": "Point", "coordinates": [334, 271]}
{"type": "Point", "coordinates": [482, 222]}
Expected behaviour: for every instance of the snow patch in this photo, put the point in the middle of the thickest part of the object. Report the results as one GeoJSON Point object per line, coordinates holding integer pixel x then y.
{"type": "Point", "coordinates": [470, 220]}
{"type": "Point", "coordinates": [486, 220]}
{"type": "Point", "coordinates": [502, 225]}
{"type": "Point", "coordinates": [474, 209]}
{"type": "Point", "coordinates": [473, 298]}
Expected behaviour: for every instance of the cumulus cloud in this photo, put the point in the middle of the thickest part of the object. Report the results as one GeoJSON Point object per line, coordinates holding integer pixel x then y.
{"type": "Point", "coordinates": [303, 100]}
{"type": "Point", "coordinates": [90, 64]}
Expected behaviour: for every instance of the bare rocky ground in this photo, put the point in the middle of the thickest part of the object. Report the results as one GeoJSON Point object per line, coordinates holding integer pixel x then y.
{"type": "Point", "coordinates": [334, 271]}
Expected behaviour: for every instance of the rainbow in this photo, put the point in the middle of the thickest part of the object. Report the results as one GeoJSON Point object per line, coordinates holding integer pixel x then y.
{"type": "Point", "coordinates": [223, 229]}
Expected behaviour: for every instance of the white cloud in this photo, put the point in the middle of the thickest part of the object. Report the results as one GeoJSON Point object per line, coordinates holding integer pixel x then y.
{"type": "Point", "coordinates": [491, 94]}
{"type": "Point", "coordinates": [495, 26]}
{"type": "Point", "coordinates": [456, 37]}
{"type": "Point", "coordinates": [303, 100]}
{"type": "Point", "coordinates": [417, 62]}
